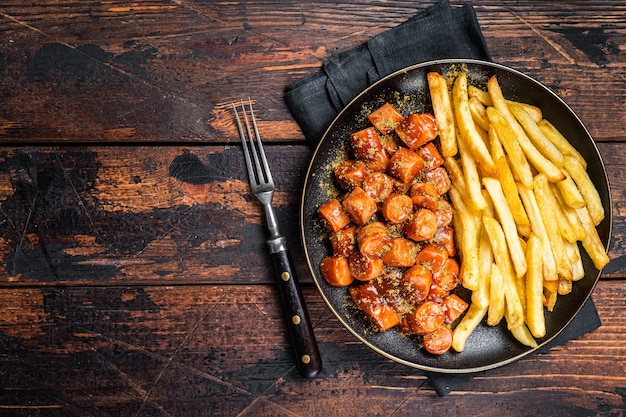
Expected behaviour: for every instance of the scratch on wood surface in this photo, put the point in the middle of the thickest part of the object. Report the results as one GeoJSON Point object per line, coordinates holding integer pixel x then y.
{"type": "Point", "coordinates": [195, 371]}
{"type": "Point", "coordinates": [176, 352]}
{"type": "Point", "coordinates": [549, 41]}
{"type": "Point", "coordinates": [19, 22]}
{"type": "Point", "coordinates": [78, 195]}
{"type": "Point", "coordinates": [129, 380]}
{"type": "Point", "coordinates": [167, 360]}
{"type": "Point", "coordinates": [254, 406]}
{"type": "Point", "coordinates": [18, 249]}
{"type": "Point", "coordinates": [400, 406]}
{"type": "Point", "coordinates": [139, 8]}
{"type": "Point", "coordinates": [261, 308]}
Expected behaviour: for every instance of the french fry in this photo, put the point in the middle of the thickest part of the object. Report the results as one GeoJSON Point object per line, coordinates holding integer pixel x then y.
{"type": "Point", "coordinates": [533, 111]}
{"type": "Point", "coordinates": [550, 294]}
{"type": "Point", "coordinates": [522, 243]}
{"type": "Point", "coordinates": [495, 145]}
{"type": "Point", "coordinates": [466, 326]}
{"type": "Point", "coordinates": [520, 285]}
{"type": "Point", "coordinates": [467, 128]}
{"type": "Point", "coordinates": [479, 113]}
{"type": "Point", "coordinates": [540, 162]}
{"type": "Point", "coordinates": [489, 210]}
{"type": "Point", "coordinates": [564, 287]}
{"type": "Point", "coordinates": [578, 270]}
{"type": "Point", "coordinates": [468, 242]}
{"type": "Point", "coordinates": [485, 137]}
{"type": "Point", "coordinates": [567, 231]}
{"type": "Point", "coordinates": [514, 311]}
{"type": "Point", "coordinates": [455, 172]}
{"type": "Point", "coordinates": [547, 208]}
{"type": "Point", "coordinates": [483, 96]}
{"type": "Point", "coordinates": [503, 211]}
{"type": "Point", "coordinates": [496, 296]}
{"type": "Point", "coordinates": [519, 164]}
{"type": "Point", "coordinates": [442, 108]}
{"type": "Point", "coordinates": [586, 187]}
{"type": "Point", "coordinates": [481, 296]}
{"type": "Point", "coordinates": [472, 179]}
{"type": "Point", "coordinates": [522, 334]}
{"type": "Point", "coordinates": [569, 212]}
{"type": "Point", "coordinates": [571, 193]}
{"type": "Point", "coordinates": [547, 148]}
{"type": "Point", "coordinates": [555, 136]}
{"type": "Point", "coordinates": [573, 253]}
{"type": "Point", "coordinates": [592, 243]}
{"type": "Point", "coordinates": [535, 318]}
{"type": "Point", "coordinates": [537, 226]}
{"type": "Point", "coordinates": [505, 175]}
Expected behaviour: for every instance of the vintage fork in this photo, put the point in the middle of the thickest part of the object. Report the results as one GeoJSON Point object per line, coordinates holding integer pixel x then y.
{"type": "Point", "coordinates": [308, 360]}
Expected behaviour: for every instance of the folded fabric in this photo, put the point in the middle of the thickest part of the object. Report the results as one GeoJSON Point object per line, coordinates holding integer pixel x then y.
{"type": "Point", "coordinates": [438, 32]}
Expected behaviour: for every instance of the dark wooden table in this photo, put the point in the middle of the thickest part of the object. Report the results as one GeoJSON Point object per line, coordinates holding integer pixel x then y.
{"type": "Point", "coordinates": [134, 276]}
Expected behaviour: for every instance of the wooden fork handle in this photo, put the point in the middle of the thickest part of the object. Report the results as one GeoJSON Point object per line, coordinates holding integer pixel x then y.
{"type": "Point", "coordinates": [307, 356]}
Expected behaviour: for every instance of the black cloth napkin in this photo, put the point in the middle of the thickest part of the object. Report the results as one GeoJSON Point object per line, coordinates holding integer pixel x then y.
{"type": "Point", "coordinates": [438, 32]}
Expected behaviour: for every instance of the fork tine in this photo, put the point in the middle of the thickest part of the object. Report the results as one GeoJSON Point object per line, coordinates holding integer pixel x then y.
{"type": "Point", "coordinates": [266, 168]}
{"type": "Point", "coordinates": [244, 142]}
{"type": "Point", "coordinates": [259, 171]}
{"type": "Point", "coordinates": [257, 164]}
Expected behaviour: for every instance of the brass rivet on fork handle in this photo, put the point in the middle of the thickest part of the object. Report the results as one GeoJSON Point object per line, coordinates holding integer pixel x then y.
{"type": "Point", "coordinates": [308, 360]}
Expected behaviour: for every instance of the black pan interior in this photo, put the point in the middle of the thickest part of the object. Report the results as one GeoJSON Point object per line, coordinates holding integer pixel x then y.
{"type": "Point", "coordinates": [487, 347]}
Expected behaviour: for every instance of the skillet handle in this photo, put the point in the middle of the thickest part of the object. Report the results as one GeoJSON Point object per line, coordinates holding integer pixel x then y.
{"type": "Point", "coordinates": [307, 356]}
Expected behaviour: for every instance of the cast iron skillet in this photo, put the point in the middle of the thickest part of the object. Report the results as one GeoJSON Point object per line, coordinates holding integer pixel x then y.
{"type": "Point", "coordinates": [488, 347]}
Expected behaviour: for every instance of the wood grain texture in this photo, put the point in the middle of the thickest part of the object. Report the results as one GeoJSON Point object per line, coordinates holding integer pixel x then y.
{"type": "Point", "coordinates": [129, 215]}
{"type": "Point", "coordinates": [134, 274]}
{"type": "Point", "coordinates": [188, 352]}
{"type": "Point", "coordinates": [166, 71]}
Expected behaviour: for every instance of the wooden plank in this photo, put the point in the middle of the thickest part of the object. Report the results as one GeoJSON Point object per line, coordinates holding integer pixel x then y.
{"type": "Point", "coordinates": [140, 215]}
{"type": "Point", "coordinates": [154, 215]}
{"type": "Point", "coordinates": [85, 74]}
{"type": "Point", "coordinates": [134, 280]}
{"type": "Point", "coordinates": [186, 349]}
